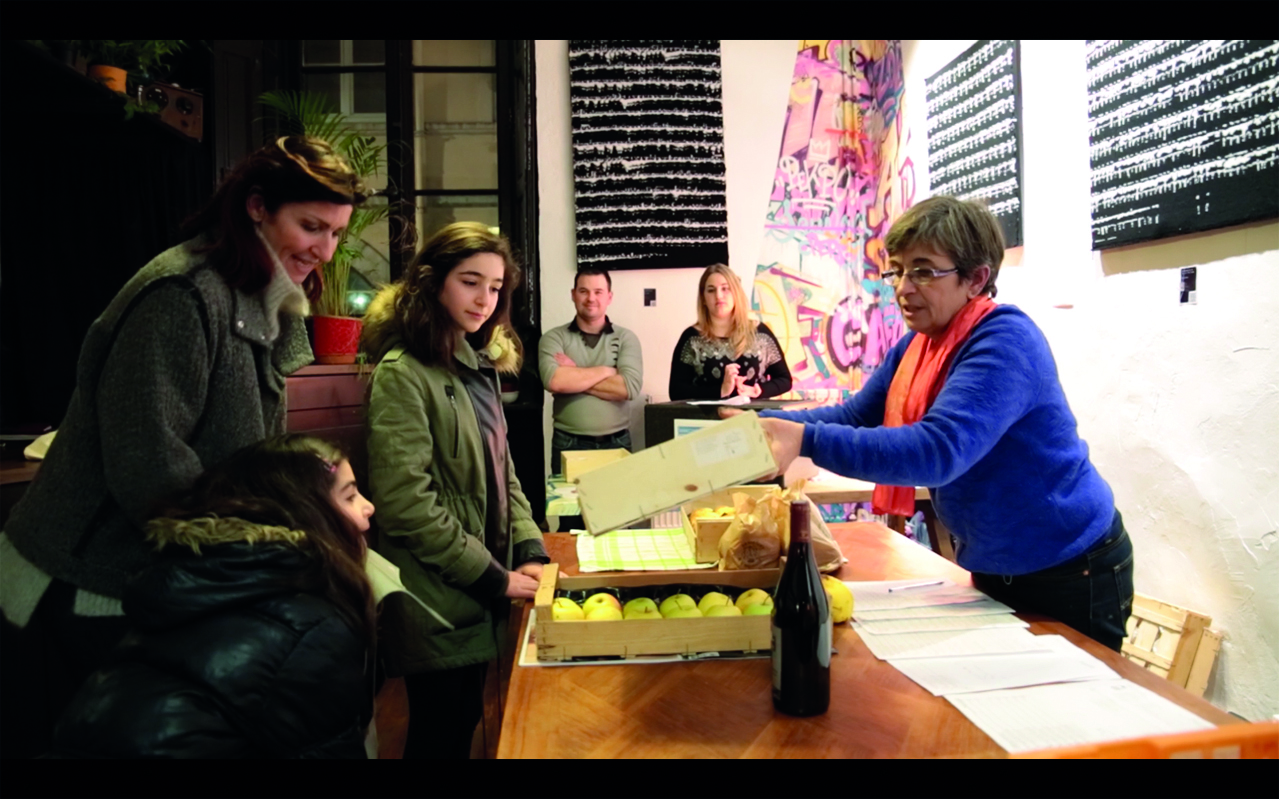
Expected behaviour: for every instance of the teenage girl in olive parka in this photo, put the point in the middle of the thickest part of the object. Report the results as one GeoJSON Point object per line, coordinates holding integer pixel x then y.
{"type": "Point", "coordinates": [451, 515]}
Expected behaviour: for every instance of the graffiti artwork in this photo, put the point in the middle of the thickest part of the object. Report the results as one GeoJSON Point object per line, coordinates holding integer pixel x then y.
{"type": "Point", "coordinates": [842, 178]}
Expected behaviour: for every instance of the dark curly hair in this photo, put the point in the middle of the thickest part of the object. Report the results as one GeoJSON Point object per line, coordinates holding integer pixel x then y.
{"type": "Point", "coordinates": [428, 331]}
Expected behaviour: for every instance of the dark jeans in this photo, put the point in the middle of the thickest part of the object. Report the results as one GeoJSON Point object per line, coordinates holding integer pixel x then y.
{"type": "Point", "coordinates": [567, 442]}
{"type": "Point", "coordinates": [1091, 593]}
{"type": "Point", "coordinates": [444, 707]}
{"type": "Point", "coordinates": [44, 665]}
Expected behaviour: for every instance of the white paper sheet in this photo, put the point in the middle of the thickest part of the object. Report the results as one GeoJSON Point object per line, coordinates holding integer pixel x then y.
{"type": "Point", "coordinates": [982, 607]}
{"type": "Point", "coordinates": [896, 626]}
{"type": "Point", "coordinates": [876, 596]}
{"type": "Point", "coordinates": [953, 642]}
{"type": "Point", "coordinates": [1074, 713]}
{"type": "Point", "coordinates": [736, 400]}
{"type": "Point", "coordinates": [1063, 662]}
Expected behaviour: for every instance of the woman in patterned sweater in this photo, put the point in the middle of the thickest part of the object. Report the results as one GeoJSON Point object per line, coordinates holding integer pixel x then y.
{"type": "Point", "coordinates": [725, 355]}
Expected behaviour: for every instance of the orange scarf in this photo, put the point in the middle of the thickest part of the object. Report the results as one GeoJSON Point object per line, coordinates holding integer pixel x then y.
{"type": "Point", "coordinates": [916, 384]}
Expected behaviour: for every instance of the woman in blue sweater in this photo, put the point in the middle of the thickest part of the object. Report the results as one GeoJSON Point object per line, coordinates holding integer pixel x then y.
{"type": "Point", "coordinates": [969, 404]}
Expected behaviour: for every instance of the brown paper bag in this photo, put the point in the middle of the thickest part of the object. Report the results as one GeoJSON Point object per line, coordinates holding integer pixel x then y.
{"type": "Point", "coordinates": [759, 535]}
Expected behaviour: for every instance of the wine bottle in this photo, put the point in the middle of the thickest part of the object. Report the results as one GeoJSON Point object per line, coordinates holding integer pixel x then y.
{"type": "Point", "coordinates": [801, 626]}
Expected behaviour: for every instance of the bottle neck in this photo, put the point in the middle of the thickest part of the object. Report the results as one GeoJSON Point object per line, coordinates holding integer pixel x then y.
{"type": "Point", "coordinates": [800, 531]}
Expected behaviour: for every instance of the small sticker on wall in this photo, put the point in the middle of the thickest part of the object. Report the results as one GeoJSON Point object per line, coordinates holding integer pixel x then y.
{"type": "Point", "coordinates": [1188, 294]}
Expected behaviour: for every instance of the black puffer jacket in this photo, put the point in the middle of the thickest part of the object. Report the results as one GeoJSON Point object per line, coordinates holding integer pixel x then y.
{"type": "Point", "coordinates": [225, 659]}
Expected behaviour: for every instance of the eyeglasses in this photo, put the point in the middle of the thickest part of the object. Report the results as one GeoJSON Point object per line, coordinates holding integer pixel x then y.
{"type": "Point", "coordinates": [920, 276]}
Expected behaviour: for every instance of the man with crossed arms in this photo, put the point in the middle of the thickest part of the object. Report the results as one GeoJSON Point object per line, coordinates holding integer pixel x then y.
{"type": "Point", "coordinates": [594, 368]}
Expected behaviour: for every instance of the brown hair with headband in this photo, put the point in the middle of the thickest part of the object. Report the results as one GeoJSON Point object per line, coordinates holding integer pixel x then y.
{"type": "Point", "coordinates": [287, 481]}
{"type": "Point", "coordinates": [294, 169]}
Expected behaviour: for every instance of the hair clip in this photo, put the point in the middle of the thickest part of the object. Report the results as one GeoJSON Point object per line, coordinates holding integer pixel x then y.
{"type": "Point", "coordinates": [331, 467]}
{"type": "Point", "coordinates": [298, 159]}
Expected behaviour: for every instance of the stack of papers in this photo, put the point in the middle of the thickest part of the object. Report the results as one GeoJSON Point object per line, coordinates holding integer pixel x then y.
{"type": "Point", "coordinates": [897, 594]}
{"type": "Point", "coordinates": [1060, 661]}
{"type": "Point", "coordinates": [940, 623]}
{"type": "Point", "coordinates": [1025, 691]}
{"type": "Point", "coordinates": [1073, 714]}
{"type": "Point", "coordinates": [949, 643]}
{"type": "Point", "coordinates": [637, 550]}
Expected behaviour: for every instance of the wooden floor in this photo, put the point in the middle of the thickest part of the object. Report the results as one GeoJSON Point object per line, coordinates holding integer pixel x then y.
{"type": "Point", "coordinates": [391, 715]}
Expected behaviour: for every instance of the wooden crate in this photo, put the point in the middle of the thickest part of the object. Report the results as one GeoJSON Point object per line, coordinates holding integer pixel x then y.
{"type": "Point", "coordinates": [561, 640]}
{"type": "Point", "coordinates": [1165, 639]}
{"type": "Point", "coordinates": [575, 463]}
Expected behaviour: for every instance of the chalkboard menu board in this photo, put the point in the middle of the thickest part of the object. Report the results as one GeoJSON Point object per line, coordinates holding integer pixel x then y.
{"type": "Point", "coordinates": [648, 153]}
{"type": "Point", "coordinates": [974, 131]}
{"type": "Point", "coordinates": [1184, 136]}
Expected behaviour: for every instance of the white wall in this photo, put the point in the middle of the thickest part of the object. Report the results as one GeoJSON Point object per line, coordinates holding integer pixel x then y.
{"type": "Point", "coordinates": [756, 84]}
{"type": "Point", "coordinates": [1179, 404]}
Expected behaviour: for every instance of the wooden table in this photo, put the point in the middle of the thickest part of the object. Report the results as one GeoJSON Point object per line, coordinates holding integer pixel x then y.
{"type": "Point", "coordinates": [724, 708]}
{"type": "Point", "coordinates": [831, 488]}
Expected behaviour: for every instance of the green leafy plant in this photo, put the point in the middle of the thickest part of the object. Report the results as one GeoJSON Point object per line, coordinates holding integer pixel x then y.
{"type": "Point", "coordinates": [131, 55]}
{"type": "Point", "coordinates": [310, 114]}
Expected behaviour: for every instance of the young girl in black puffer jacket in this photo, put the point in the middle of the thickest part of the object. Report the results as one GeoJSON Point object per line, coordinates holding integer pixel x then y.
{"type": "Point", "coordinates": [253, 632]}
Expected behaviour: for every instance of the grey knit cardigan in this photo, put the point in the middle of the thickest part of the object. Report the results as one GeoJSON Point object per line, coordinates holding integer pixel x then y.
{"type": "Point", "coordinates": [179, 372]}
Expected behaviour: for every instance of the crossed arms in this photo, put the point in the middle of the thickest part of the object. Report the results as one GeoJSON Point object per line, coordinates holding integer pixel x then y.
{"type": "Point", "coordinates": [562, 375]}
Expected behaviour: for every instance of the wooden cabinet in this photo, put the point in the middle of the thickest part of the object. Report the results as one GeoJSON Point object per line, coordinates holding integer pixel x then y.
{"type": "Point", "coordinates": [328, 401]}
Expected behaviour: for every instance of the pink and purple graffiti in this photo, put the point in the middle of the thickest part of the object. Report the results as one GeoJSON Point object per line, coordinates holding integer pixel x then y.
{"type": "Point", "coordinates": [841, 179]}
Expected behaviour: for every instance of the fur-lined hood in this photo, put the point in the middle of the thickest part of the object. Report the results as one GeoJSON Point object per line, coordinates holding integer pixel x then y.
{"type": "Point", "coordinates": [382, 334]}
{"type": "Point", "coordinates": [212, 530]}
{"type": "Point", "coordinates": [215, 565]}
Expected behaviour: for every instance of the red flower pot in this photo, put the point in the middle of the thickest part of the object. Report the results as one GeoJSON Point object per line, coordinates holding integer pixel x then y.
{"type": "Point", "coordinates": [337, 338]}
{"type": "Point", "coordinates": [112, 77]}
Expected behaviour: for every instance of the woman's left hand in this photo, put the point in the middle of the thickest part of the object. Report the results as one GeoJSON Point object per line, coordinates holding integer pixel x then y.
{"type": "Point", "coordinates": [751, 391]}
{"type": "Point", "coordinates": [532, 569]}
{"type": "Point", "coordinates": [785, 439]}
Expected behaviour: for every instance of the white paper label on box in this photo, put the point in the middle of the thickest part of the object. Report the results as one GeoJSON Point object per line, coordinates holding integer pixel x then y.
{"type": "Point", "coordinates": [725, 446]}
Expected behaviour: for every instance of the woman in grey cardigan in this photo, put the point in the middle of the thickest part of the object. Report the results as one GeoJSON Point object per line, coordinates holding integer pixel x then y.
{"type": "Point", "coordinates": [185, 366]}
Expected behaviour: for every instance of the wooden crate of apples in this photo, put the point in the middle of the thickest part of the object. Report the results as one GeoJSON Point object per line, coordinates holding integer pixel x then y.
{"type": "Point", "coordinates": [653, 613]}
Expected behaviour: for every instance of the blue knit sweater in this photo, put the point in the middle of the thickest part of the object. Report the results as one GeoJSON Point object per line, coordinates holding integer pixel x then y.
{"type": "Point", "coordinates": [999, 448]}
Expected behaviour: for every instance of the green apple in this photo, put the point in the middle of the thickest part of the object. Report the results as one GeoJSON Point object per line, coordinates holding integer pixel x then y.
{"type": "Point", "coordinates": [677, 602]}
{"type": "Point", "coordinates": [759, 609]}
{"type": "Point", "coordinates": [604, 613]}
{"type": "Point", "coordinates": [752, 597]}
{"type": "Point", "coordinates": [684, 613]}
{"type": "Point", "coordinates": [602, 600]}
{"type": "Point", "coordinates": [713, 600]}
{"type": "Point", "coordinates": [565, 609]}
{"type": "Point", "coordinates": [641, 608]}
{"type": "Point", "coordinates": [725, 610]}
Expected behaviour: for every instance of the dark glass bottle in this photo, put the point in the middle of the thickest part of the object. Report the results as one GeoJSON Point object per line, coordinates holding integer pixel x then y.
{"type": "Point", "coordinates": [801, 627]}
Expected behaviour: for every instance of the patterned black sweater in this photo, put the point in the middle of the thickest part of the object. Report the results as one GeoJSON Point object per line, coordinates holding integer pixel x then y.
{"type": "Point", "coordinates": [697, 366]}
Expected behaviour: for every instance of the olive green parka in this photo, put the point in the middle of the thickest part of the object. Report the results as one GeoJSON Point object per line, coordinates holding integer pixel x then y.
{"type": "Point", "coordinates": [427, 481]}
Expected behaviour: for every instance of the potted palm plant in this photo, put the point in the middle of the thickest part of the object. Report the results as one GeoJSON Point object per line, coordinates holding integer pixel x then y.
{"type": "Point", "coordinates": [336, 332]}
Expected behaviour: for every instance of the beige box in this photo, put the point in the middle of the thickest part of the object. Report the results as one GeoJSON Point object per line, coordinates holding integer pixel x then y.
{"type": "Point", "coordinates": [673, 473]}
{"type": "Point", "coordinates": [575, 463]}
{"type": "Point", "coordinates": [561, 640]}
